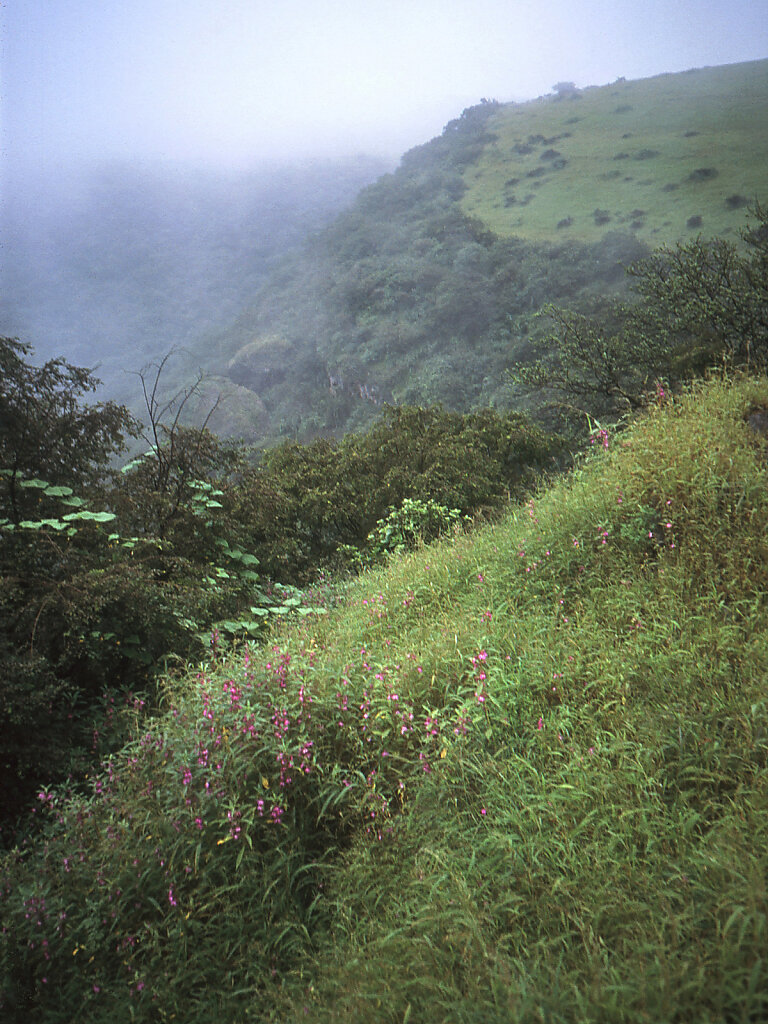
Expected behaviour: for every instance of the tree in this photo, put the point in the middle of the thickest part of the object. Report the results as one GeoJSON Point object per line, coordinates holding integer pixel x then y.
{"type": "Point", "coordinates": [154, 492]}
{"type": "Point", "coordinates": [696, 304]}
{"type": "Point", "coordinates": [88, 611]}
{"type": "Point", "coordinates": [45, 429]}
{"type": "Point", "coordinates": [707, 297]}
{"type": "Point", "coordinates": [51, 442]}
{"type": "Point", "coordinates": [565, 90]}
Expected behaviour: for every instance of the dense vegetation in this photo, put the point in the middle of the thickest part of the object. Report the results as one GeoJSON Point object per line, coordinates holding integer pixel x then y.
{"type": "Point", "coordinates": [407, 300]}
{"type": "Point", "coordinates": [424, 289]}
{"type": "Point", "coordinates": [108, 574]}
{"type": "Point", "coordinates": [386, 725]}
{"type": "Point", "coordinates": [519, 774]}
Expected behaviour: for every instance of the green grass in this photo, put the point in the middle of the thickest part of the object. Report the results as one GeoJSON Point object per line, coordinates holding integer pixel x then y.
{"type": "Point", "coordinates": [528, 780]}
{"type": "Point", "coordinates": [632, 151]}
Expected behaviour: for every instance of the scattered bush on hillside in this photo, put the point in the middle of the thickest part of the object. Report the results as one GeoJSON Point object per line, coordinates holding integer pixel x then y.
{"type": "Point", "coordinates": [736, 202]}
{"type": "Point", "coordinates": [565, 90]}
{"type": "Point", "coordinates": [703, 174]}
{"type": "Point", "coordinates": [414, 522]}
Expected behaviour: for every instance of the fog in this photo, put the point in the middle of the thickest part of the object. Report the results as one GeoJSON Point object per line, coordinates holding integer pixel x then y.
{"type": "Point", "coordinates": [157, 156]}
{"type": "Point", "coordinates": [236, 82]}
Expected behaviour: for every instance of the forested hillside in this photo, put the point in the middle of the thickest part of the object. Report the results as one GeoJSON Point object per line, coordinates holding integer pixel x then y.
{"type": "Point", "coordinates": [309, 309]}
{"type": "Point", "coordinates": [428, 288]}
{"type": "Point", "coordinates": [459, 716]}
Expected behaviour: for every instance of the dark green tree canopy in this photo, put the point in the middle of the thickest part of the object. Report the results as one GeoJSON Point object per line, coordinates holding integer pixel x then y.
{"type": "Point", "coordinates": [46, 429]}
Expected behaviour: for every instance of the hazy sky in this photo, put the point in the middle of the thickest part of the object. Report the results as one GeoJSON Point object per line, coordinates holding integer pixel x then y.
{"type": "Point", "coordinates": [241, 80]}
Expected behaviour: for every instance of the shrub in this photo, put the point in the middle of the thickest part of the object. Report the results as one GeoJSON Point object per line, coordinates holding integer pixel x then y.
{"type": "Point", "coordinates": [305, 503]}
{"type": "Point", "coordinates": [736, 202]}
{"type": "Point", "coordinates": [415, 521]}
{"type": "Point", "coordinates": [703, 174]}
{"type": "Point", "coordinates": [697, 304]}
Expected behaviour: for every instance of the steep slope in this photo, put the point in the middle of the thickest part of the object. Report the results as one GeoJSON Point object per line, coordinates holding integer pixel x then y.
{"type": "Point", "coordinates": [119, 264]}
{"type": "Point", "coordinates": [517, 776]}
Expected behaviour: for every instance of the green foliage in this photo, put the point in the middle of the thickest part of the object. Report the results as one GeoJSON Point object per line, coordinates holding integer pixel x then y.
{"type": "Point", "coordinates": [46, 431]}
{"type": "Point", "coordinates": [518, 775]}
{"type": "Point", "coordinates": [413, 522]}
{"type": "Point", "coordinates": [706, 299]}
{"type": "Point", "coordinates": [306, 504]}
{"type": "Point", "coordinates": [406, 300]}
{"type": "Point", "coordinates": [174, 558]}
{"type": "Point", "coordinates": [101, 588]}
{"type": "Point", "coordinates": [624, 146]}
{"type": "Point", "coordinates": [160, 257]}
{"type": "Point", "coordinates": [697, 304]}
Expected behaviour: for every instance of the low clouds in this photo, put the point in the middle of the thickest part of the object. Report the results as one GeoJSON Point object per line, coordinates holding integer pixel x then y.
{"type": "Point", "coordinates": [240, 81]}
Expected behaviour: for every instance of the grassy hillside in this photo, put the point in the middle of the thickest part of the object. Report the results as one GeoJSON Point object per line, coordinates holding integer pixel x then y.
{"type": "Point", "coordinates": [518, 776]}
{"type": "Point", "coordinates": [666, 158]}
{"type": "Point", "coordinates": [426, 290]}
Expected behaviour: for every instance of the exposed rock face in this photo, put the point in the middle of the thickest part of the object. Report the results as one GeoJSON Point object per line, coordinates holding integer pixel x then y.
{"type": "Point", "coordinates": [261, 363]}
{"type": "Point", "coordinates": [238, 412]}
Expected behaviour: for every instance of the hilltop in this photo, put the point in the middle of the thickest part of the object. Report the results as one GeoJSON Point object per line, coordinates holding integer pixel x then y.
{"type": "Point", "coordinates": [665, 158]}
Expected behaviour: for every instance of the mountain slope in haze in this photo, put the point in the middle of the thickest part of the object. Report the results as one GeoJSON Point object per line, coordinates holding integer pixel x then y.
{"type": "Point", "coordinates": [665, 157]}
{"type": "Point", "coordinates": [427, 288]}
{"type": "Point", "coordinates": [308, 310]}
{"type": "Point", "coordinates": [116, 266]}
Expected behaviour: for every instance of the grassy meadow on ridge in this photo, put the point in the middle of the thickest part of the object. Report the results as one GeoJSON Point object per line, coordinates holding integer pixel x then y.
{"type": "Point", "coordinates": [665, 158]}
{"type": "Point", "coordinates": [519, 775]}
